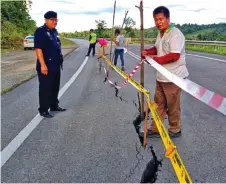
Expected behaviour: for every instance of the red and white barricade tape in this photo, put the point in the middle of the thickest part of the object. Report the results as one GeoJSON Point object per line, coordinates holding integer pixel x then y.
{"type": "Point", "coordinates": [129, 76]}
{"type": "Point", "coordinates": [208, 97]}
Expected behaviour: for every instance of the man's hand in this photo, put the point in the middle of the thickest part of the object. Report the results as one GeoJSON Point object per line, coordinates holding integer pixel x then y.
{"type": "Point", "coordinates": [44, 69]}
{"type": "Point", "coordinates": [144, 53]}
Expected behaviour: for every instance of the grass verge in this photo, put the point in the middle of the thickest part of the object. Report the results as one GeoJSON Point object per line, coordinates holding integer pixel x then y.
{"type": "Point", "coordinates": [7, 50]}
{"type": "Point", "coordinates": [16, 85]}
{"type": "Point", "coordinates": [207, 48]}
{"type": "Point", "coordinates": [220, 50]}
{"type": "Point", "coordinates": [3, 51]}
{"type": "Point", "coordinates": [65, 42]}
{"type": "Point", "coordinates": [145, 42]}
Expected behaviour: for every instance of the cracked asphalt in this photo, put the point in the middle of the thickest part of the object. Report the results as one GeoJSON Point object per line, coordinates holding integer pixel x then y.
{"type": "Point", "coordinates": [95, 140]}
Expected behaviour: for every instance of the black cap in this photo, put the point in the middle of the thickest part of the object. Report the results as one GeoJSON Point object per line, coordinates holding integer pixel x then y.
{"type": "Point", "coordinates": [50, 14]}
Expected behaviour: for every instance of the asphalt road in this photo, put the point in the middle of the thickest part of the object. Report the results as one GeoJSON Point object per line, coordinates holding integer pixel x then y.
{"type": "Point", "coordinates": [95, 141]}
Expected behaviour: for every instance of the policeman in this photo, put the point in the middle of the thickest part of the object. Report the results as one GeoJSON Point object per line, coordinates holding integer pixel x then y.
{"type": "Point", "coordinates": [92, 41]}
{"type": "Point", "coordinates": [49, 63]}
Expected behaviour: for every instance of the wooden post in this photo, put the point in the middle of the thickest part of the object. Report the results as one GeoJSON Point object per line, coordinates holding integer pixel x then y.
{"type": "Point", "coordinates": [112, 31]}
{"type": "Point", "coordinates": [125, 18]}
{"type": "Point", "coordinates": [141, 49]}
{"type": "Point", "coordinates": [146, 125]}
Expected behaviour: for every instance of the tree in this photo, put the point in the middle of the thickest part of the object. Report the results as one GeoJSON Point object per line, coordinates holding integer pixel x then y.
{"type": "Point", "coordinates": [16, 22]}
{"type": "Point", "coordinates": [129, 22]}
{"type": "Point", "coordinates": [101, 26]}
{"type": "Point", "coordinates": [129, 25]}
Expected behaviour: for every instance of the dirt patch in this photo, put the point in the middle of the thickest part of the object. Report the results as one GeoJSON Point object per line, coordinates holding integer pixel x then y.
{"type": "Point", "coordinates": [18, 67]}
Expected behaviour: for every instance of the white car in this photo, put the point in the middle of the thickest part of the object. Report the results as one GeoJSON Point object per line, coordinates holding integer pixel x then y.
{"type": "Point", "coordinates": [29, 42]}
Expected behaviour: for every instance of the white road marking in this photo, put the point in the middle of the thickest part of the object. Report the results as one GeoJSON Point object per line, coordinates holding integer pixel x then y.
{"type": "Point", "coordinates": [8, 151]}
{"type": "Point", "coordinates": [207, 57]}
{"type": "Point", "coordinates": [134, 55]}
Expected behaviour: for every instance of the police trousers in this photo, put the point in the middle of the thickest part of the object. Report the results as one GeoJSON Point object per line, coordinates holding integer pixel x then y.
{"type": "Point", "coordinates": [49, 86]}
{"type": "Point", "coordinates": [167, 97]}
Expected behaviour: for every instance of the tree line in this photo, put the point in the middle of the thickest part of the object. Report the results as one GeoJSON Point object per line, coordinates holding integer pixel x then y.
{"type": "Point", "coordinates": [211, 32]}
{"type": "Point", "coordinates": [16, 23]}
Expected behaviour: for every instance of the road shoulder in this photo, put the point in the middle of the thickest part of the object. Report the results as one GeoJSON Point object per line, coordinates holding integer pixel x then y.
{"type": "Point", "coordinates": [18, 67]}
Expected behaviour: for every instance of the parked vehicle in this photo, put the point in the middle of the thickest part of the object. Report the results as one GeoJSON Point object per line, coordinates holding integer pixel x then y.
{"type": "Point", "coordinates": [29, 42]}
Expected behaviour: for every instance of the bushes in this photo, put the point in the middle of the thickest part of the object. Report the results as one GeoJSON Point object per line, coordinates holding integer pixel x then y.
{"type": "Point", "coordinates": [16, 23]}
{"type": "Point", "coordinates": [11, 37]}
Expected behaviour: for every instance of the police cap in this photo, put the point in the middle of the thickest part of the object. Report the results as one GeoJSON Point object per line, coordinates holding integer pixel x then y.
{"type": "Point", "coordinates": [50, 14]}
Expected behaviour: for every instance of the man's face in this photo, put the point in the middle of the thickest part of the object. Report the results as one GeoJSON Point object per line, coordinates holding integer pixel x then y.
{"type": "Point", "coordinates": [51, 23]}
{"type": "Point", "coordinates": [161, 21]}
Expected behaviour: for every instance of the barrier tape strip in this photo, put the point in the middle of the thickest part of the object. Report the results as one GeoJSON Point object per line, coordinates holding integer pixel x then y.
{"type": "Point", "coordinates": [208, 97]}
{"type": "Point", "coordinates": [133, 72]}
{"type": "Point", "coordinates": [129, 76]}
{"type": "Point", "coordinates": [171, 151]}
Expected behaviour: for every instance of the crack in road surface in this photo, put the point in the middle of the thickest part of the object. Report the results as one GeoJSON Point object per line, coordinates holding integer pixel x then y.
{"type": "Point", "coordinates": [150, 173]}
{"type": "Point", "coordinates": [139, 159]}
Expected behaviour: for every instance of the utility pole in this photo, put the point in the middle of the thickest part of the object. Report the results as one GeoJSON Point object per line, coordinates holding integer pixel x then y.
{"type": "Point", "coordinates": [141, 49]}
{"type": "Point", "coordinates": [112, 31]}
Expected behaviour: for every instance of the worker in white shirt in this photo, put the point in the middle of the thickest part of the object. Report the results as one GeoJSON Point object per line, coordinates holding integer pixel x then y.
{"type": "Point", "coordinates": [119, 50]}
{"type": "Point", "coordinates": [169, 51]}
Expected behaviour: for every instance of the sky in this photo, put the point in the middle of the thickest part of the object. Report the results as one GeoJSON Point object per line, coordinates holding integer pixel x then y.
{"type": "Point", "coordinates": [80, 15]}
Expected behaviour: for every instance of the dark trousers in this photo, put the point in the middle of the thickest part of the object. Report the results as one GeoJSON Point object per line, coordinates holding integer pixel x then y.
{"type": "Point", "coordinates": [91, 46]}
{"type": "Point", "coordinates": [119, 52]}
{"type": "Point", "coordinates": [49, 86]}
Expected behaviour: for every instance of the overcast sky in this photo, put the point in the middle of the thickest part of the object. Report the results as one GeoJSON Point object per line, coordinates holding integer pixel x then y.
{"type": "Point", "coordinates": [79, 15]}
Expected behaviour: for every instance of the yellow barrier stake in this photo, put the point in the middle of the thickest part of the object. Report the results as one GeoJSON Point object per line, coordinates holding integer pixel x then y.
{"type": "Point", "coordinates": [171, 151]}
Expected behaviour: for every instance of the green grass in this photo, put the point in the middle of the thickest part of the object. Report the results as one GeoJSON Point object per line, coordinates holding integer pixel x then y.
{"type": "Point", "coordinates": [208, 49]}
{"type": "Point", "coordinates": [3, 51]}
{"type": "Point", "coordinates": [145, 42]}
{"type": "Point", "coordinates": [66, 42]}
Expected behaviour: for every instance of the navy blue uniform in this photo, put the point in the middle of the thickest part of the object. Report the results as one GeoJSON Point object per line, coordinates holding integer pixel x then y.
{"type": "Point", "coordinates": [47, 40]}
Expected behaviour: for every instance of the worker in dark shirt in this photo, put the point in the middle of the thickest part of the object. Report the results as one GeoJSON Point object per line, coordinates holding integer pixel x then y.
{"type": "Point", "coordinates": [49, 63]}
